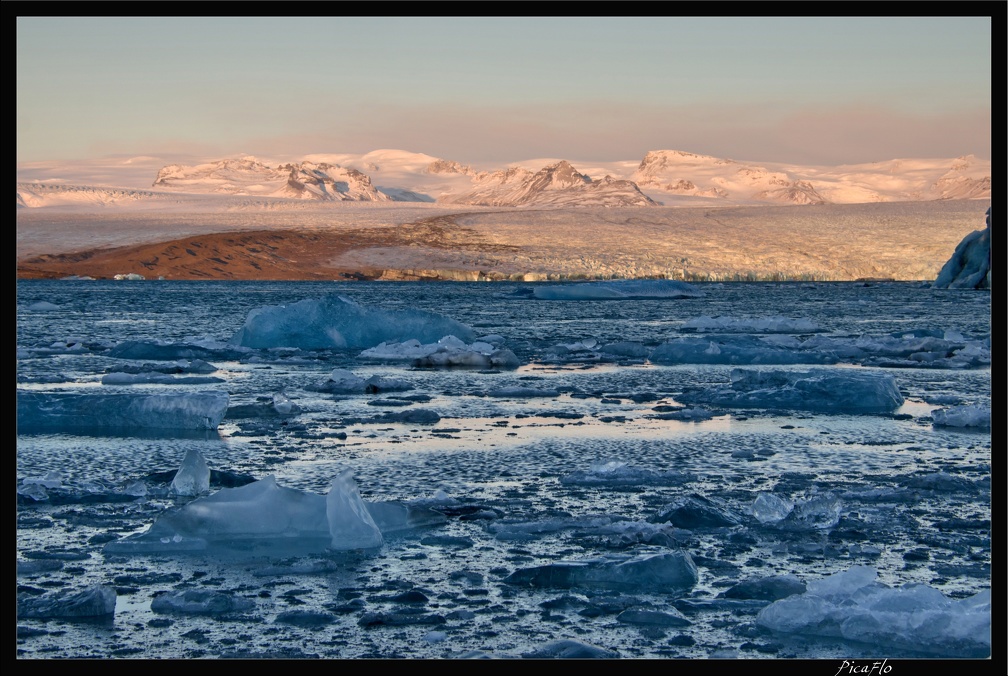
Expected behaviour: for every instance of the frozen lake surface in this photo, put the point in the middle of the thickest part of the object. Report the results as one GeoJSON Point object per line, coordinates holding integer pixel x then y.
{"type": "Point", "coordinates": [761, 470]}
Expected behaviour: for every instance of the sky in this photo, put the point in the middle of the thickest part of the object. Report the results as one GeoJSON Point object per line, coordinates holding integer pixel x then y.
{"type": "Point", "coordinates": [813, 91]}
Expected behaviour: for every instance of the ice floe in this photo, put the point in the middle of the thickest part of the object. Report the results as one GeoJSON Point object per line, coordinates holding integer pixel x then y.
{"type": "Point", "coordinates": [618, 290]}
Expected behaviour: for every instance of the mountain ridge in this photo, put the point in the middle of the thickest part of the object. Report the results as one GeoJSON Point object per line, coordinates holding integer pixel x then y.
{"type": "Point", "coordinates": [662, 177]}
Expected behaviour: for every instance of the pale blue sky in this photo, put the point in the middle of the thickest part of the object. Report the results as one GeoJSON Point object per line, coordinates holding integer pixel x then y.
{"type": "Point", "coordinates": [802, 90]}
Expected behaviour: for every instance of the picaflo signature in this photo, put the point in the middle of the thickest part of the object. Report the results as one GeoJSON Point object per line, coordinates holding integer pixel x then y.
{"type": "Point", "coordinates": [864, 668]}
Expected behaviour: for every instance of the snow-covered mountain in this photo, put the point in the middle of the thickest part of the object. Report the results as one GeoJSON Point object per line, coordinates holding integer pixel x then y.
{"type": "Point", "coordinates": [682, 173]}
{"type": "Point", "coordinates": [248, 176]}
{"type": "Point", "coordinates": [668, 177]}
{"type": "Point", "coordinates": [556, 185]}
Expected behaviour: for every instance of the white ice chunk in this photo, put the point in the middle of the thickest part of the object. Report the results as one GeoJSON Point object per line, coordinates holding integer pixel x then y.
{"type": "Point", "coordinates": [342, 380]}
{"type": "Point", "coordinates": [854, 606]}
{"type": "Point", "coordinates": [193, 476]}
{"type": "Point", "coordinates": [768, 508]}
{"type": "Point", "coordinates": [447, 352]}
{"type": "Point", "coordinates": [962, 416]}
{"type": "Point", "coordinates": [336, 322]}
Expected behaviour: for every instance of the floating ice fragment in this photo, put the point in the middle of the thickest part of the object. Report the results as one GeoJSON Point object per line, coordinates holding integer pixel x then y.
{"type": "Point", "coordinates": [770, 588]}
{"type": "Point", "coordinates": [618, 290]}
{"type": "Point", "coordinates": [200, 602]}
{"type": "Point", "coordinates": [768, 508]}
{"type": "Point", "coordinates": [696, 511]}
{"type": "Point", "coordinates": [962, 416]}
{"type": "Point", "coordinates": [669, 572]}
{"type": "Point", "coordinates": [193, 476]}
{"type": "Point", "coordinates": [96, 601]}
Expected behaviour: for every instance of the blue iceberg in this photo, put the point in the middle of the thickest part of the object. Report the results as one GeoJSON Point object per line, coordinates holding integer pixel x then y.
{"type": "Point", "coordinates": [48, 411]}
{"type": "Point", "coordinates": [335, 322]}
{"type": "Point", "coordinates": [841, 390]}
{"type": "Point", "coordinates": [264, 517]}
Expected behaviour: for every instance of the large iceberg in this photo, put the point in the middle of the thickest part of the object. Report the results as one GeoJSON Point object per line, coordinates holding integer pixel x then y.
{"type": "Point", "coordinates": [969, 266]}
{"type": "Point", "coordinates": [265, 517]}
{"type": "Point", "coordinates": [854, 606]}
{"type": "Point", "coordinates": [42, 411]}
{"type": "Point", "coordinates": [335, 322]}
{"type": "Point", "coordinates": [618, 290]}
{"type": "Point", "coordinates": [840, 390]}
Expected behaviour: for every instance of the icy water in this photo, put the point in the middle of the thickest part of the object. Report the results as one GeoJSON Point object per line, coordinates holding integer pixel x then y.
{"type": "Point", "coordinates": [816, 529]}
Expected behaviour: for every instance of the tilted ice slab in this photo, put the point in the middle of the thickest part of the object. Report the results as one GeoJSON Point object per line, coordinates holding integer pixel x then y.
{"type": "Point", "coordinates": [667, 572]}
{"type": "Point", "coordinates": [839, 390]}
{"type": "Point", "coordinates": [264, 516]}
{"type": "Point", "coordinates": [41, 411]}
{"type": "Point", "coordinates": [335, 322]}
{"type": "Point", "coordinates": [618, 290]}
{"type": "Point", "coordinates": [854, 606]}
